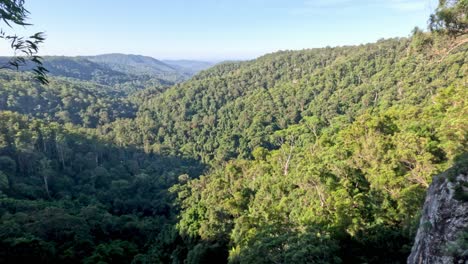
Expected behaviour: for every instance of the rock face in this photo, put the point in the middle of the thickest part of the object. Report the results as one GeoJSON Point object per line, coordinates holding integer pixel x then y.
{"type": "Point", "coordinates": [443, 228]}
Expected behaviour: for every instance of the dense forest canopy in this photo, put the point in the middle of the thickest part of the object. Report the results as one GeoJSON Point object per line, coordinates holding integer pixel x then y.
{"type": "Point", "coordinates": [312, 156]}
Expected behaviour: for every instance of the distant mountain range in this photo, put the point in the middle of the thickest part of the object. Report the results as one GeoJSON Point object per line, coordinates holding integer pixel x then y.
{"type": "Point", "coordinates": [144, 65]}
{"type": "Point", "coordinates": [120, 68]}
{"type": "Point", "coordinates": [190, 67]}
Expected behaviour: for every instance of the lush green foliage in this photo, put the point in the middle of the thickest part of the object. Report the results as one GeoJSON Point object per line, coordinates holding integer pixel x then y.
{"type": "Point", "coordinates": [313, 156]}
{"type": "Point", "coordinates": [233, 108]}
{"type": "Point", "coordinates": [67, 195]}
{"type": "Point", "coordinates": [361, 185]}
{"type": "Point", "coordinates": [451, 16]}
{"type": "Point", "coordinates": [65, 101]}
{"type": "Point", "coordinates": [141, 65]}
{"type": "Point", "coordinates": [125, 74]}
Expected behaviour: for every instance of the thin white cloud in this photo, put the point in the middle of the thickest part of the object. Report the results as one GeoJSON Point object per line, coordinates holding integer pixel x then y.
{"type": "Point", "coordinates": [410, 5]}
{"type": "Point", "coordinates": [308, 7]}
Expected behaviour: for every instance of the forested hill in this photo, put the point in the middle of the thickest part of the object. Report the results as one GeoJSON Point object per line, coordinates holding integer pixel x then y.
{"type": "Point", "coordinates": [231, 109]}
{"type": "Point", "coordinates": [117, 69]}
{"type": "Point", "coordinates": [66, 100]}
{"type": "Point", "coordinates": [324, 150]}
{"type": "Point", "coordinates": [144, 65]}
{"type": "Point", "coordinates": [312, 156]}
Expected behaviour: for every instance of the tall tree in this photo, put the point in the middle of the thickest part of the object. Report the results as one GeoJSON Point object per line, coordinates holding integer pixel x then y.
{"type": "Point", "coordinates": [451, 17]}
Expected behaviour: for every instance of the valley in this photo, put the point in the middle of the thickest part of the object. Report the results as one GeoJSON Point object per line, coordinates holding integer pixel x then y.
{"type": "Point", "coordinates": [319, 155]}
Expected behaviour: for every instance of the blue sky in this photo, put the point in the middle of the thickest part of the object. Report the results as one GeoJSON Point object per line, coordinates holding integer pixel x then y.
{"type": "Point", "coordinates": [218, 29]}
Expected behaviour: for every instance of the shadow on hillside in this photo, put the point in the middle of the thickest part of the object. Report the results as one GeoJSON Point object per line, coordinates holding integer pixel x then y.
{"type": "Point", "coordinates": [69, 197]}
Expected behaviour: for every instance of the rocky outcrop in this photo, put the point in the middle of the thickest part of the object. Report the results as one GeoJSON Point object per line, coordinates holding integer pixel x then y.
{"type": "Point", "coordinates": [443, 230]}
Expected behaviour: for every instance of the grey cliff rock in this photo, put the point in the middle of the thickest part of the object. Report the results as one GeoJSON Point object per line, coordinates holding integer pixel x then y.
{"type": "Point", "coordinates": [443, 228]}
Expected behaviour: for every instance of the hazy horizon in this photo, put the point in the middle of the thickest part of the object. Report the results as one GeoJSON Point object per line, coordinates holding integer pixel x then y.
{"type": "Point", "coordinates": [217, 30]}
